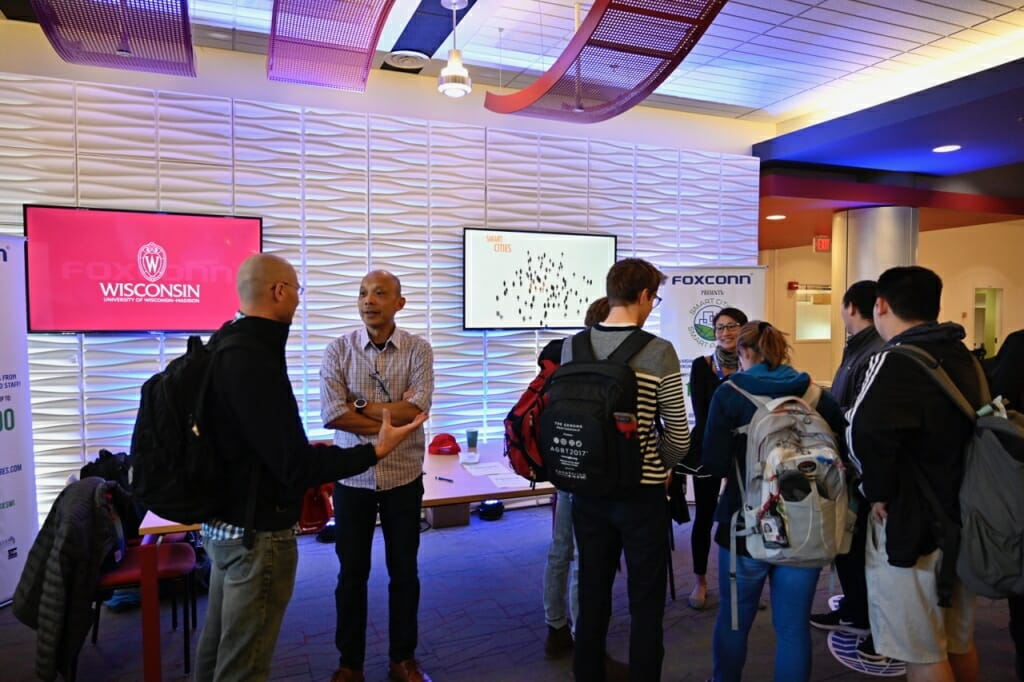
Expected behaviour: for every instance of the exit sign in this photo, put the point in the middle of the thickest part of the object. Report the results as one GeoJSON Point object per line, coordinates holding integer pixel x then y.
{"type": "Point", "coordinates": [822, 242]}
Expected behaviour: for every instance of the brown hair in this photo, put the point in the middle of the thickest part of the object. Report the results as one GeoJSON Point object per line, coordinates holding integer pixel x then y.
{"type": "Point", "coordinates": [767, 342]}
{"type": "Point", "coordinates": [627, 278]}
{"type": "Point", "coordinates": [597, 312]}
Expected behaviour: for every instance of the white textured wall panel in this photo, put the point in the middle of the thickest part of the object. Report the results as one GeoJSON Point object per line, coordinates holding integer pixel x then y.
{"type": "Point", "coordinates": [55, 373]}
{"type": "Point", "coordinates": [267, 135]}
{"type": "Point", "coordinates": [611, 192]}
{"type": "Point", "coordinates": [700, 183]}
{"type": "Point", "coordinates": [738, 199]}
{"type": "Point", "coordinates": [33, 177]}
{"type": "Point", "coordinates": [195, 188]}
{"type": "Point", "coordinates": [512, 160]}
{"type": "Point", "coordinates": [193, 129]}
{"type": "Point", "coordinates": [115, 121]}
{"type": "Point", "coordinates": [114, 368]}
{"type": "Point", "coordinates": [657, 181]}
{"type": "Point", "coordinates": [457, 198]}
{"type": "Point", "coordinates": [112, 182]}
{"type": "Point", "coordinates": [35, 114]}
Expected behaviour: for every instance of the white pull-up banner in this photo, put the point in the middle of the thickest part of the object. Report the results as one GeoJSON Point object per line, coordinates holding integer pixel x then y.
{"type": "Point", "coordinates": [18, 520]}
{"type": "Point", "coordinates": [692, 297]}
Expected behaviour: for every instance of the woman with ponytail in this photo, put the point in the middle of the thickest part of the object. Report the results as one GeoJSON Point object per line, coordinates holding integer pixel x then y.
{"type": "Point", "coordinates": [764, 356]}
{"type": "Point", "coordinates": [706, 374]}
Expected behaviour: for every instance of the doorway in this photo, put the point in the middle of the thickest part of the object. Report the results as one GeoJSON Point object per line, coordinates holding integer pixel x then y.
{"type": "Point", "coordinates": [988, 308]}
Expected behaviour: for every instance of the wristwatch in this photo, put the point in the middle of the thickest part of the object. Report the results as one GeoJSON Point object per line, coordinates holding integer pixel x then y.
{"type": "Point", "coordinates": [360, 405]}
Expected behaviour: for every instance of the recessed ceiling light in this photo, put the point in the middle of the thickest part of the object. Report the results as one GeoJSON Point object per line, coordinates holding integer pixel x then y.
{"type": "Point", "coordinates": [946, 148]}
{"type": "Point", "coordinates": [775, 216]}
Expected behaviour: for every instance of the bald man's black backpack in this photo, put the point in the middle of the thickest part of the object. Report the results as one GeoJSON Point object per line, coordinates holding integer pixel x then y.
{"type": "Point", "coordinates": [177, 473]}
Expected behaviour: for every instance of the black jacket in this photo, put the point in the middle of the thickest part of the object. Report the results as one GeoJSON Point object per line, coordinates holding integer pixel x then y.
{"type": "Point", "coordinates": [256, 423]}
{"type": "Point", "coordinates": [57, 586]}
{"type": "Point", "coordinates": [905, 432]}
{"type": "Point", "coordinates": [850, 375]}
{"type": "Point", "coordinates": [1006, 371]}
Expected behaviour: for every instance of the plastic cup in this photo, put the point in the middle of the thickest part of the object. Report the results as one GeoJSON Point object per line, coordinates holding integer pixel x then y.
{"type": "Point", "coordinates": [470, 455]}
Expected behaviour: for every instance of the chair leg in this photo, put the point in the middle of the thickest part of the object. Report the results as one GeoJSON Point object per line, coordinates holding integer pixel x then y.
{"type": "Point", "coordinates": [174, 609]}
{"type": "Point", "coordinates": [185, 621]}
{"type": "Point", "coordinates": [193, 589]}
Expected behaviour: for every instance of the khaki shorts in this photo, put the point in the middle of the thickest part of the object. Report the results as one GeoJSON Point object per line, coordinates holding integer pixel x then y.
{"type": "Point", "coordinates": [907, 622]}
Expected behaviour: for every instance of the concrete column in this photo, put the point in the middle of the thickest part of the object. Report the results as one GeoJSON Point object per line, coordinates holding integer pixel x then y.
{"type": "Point", "coordinates": [865, 243]}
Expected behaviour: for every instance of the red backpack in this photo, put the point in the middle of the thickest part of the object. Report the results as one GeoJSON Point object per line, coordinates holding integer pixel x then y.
{"type": "Point", "coordinates": [522, 427]}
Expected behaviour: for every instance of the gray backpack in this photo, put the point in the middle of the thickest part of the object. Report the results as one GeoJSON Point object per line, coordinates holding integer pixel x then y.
{"type": "Point", "coordinates": [990, 532]}
{"type": "Point", "coordinates": [796, 507]}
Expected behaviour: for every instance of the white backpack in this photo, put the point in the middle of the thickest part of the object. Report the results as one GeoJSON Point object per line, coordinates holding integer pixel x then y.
{"type": "Point", "coordinates": [795, 502]}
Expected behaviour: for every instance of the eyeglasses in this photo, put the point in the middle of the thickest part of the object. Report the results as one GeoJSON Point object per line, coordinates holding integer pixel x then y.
{"type": "Point", "coordinates": [298, 287]}
{"type": "Point", "coordinates": [727, 327]}
{"type": "Point", "coordinates": [375, 375]}
{"type": "Point", "coordinates": [657, 301]}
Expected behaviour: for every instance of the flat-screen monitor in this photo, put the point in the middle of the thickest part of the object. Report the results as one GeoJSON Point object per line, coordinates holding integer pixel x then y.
{"type": "Point", "coordinates": [100, 270]}
{"type": "Point", "coordinates": [532, 280]}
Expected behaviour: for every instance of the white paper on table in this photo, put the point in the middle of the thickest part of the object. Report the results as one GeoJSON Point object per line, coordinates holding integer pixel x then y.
{"type": "Point", "coordinates": [507, 480]}
{"type": "Point", "coordinates": [485, 468]}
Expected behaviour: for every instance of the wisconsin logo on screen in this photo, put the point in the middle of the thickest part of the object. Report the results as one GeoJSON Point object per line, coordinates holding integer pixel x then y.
{"type": "Point", "coordinates": [152, 260]}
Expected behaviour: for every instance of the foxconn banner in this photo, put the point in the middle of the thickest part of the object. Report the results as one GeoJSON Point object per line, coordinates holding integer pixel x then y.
{"type": "Point", "coordinates": [692, 297]}
{"type": "Point", "coordinates": [18, 520]}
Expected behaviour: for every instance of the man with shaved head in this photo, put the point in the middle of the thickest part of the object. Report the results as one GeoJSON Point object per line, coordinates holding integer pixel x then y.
{"type": "Point", "coordinates": [365, 374]}
{"type": "Point", "coordinates": [255, 424]}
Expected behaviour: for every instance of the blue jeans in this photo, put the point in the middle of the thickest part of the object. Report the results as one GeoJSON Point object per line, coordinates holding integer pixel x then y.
{"type": "Point", "coordinates": [249, 592]}
{"type": "Point", "coordinates": [792, 592]}
{"type": "Point", "coordinates": [635, 524]}
{"type": "Point", "coordinates": [560, 567]}
{"type": "Point", "coordinates": [355, 511]}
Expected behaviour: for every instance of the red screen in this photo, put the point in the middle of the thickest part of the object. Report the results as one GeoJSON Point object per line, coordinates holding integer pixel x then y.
{"type": "Point", "coordinates": [100, 270]}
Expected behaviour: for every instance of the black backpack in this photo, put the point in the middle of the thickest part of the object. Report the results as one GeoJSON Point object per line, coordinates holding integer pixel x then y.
{"type": "Point", "coordinates": [588, 429]}
{"type": "Point", "coordinates": [177, 473]}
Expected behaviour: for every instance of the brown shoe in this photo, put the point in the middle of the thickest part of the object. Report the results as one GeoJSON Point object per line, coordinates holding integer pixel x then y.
{"type": "Point", "coordinates": [348, 675]}
{"type": "Point", "coordinates": [558, 642]}
{"type": "Point", "coordinates": [408, 670]}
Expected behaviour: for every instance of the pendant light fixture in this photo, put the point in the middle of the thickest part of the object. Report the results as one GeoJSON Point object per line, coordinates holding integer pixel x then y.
{"type": "Point", "coordinates": [454, 80]}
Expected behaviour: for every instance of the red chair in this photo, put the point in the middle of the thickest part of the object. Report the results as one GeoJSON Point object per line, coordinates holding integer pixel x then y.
{"type": "Point", "coordinates": [176, 561]}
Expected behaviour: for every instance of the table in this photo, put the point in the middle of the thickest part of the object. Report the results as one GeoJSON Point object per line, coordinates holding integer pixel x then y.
{"type": "Point", "coordinates": [153, 525]}
{"type": "Point", "coordinates": [447, 503]}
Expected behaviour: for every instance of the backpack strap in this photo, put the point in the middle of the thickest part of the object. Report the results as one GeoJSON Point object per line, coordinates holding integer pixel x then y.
{"type": "Point", "coordinates": [941, 378]}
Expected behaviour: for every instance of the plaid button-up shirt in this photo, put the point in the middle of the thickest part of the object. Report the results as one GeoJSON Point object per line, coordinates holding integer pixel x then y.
{"type": "Point", "coordinates": [353, 367]}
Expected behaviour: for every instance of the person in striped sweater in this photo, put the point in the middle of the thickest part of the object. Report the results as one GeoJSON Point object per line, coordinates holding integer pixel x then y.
{"type": "Point", "coordinates": [633, 520]}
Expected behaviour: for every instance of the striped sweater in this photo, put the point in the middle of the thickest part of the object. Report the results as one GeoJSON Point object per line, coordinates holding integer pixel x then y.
{"type": "Point", "coordinates": [660, 397]}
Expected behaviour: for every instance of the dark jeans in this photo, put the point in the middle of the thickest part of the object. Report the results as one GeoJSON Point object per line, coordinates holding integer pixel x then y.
{"type": "Point", "coordinates": [605, 528]}
{"type": "Point", "coordinates": [850, 568]}
{"type": "Point", "coordinates": [355, 511]}
{"type": "Point", "coordinates": [1016, 605]}
{"type": "Point", "coordinates": [705, 497]}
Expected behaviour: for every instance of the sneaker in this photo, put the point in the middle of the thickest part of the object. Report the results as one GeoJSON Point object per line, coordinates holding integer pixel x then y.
{"type": "Point", "coordinates": [832, 621]}
{"type": "Point", "coordinates": [866, 650]}
{"type": "Point", "coordinates": [558, 642]}
{"type": "Point", "coordinates": [124, 600]}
